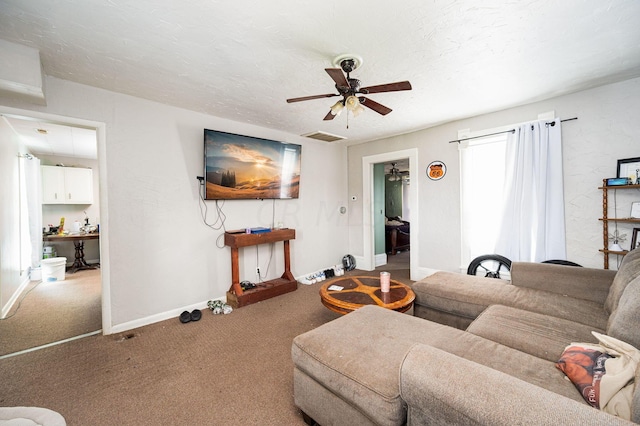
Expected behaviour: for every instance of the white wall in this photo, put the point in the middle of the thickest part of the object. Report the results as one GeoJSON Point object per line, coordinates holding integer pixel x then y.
{"type": "Point", "coordinates": [160, 257]}
{"type": "Point", "coordinates": [606, 130]}
{"type": "Point", "coordinates": [9, 215]}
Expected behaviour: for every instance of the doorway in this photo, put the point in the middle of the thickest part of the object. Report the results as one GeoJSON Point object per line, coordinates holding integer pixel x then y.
{"type": "Point", "coordinates": [394, 230]}
{"type": "Point", "coordinates": [94, 283]}
{"type": "Point", "coordinates": [369, 213]}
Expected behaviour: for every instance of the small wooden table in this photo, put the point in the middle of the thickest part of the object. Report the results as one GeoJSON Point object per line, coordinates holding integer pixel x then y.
{"type": "Point", "coordinates": [359, 291]}
{"type": "Point", "coordinates": [78, 240]}
{"type": "Point", "coordinates": [236, 296]}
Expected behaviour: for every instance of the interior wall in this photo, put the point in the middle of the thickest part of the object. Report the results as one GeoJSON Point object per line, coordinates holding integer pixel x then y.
{"type": "Point", "coordinates": [605, 131]}
{"type": "Point", "coordinates": [51, 213]}
{"type": "Point", "coordinates": [9, 215]}
{"type": "Point", "coordinates": [162, 257]}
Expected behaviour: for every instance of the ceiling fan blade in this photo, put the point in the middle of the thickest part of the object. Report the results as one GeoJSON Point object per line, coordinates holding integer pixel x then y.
{"type": "Point", "coordinates": [338, 76]}
{"type": "Point", "coordinates": [329, 116]}
{"type": "Point", "coordinates": [308, 98]}
{"type": "Point", "coordinates": [390, 87]}
{"type": "Point", "coordinates": [379, 108]}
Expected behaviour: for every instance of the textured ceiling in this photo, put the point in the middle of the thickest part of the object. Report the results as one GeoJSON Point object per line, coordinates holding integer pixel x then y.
{"type": "Point", "coordinates": [241, 59]}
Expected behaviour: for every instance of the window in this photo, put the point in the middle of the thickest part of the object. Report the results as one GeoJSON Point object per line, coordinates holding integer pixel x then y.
{"type": "Point", "coordinates": [512, 197]}
{"type": "Point", "coordinates": [482, 166]}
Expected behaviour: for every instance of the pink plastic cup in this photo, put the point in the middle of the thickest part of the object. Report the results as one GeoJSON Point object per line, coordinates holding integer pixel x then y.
{"type": "Point", "coordinates": [385, 282]}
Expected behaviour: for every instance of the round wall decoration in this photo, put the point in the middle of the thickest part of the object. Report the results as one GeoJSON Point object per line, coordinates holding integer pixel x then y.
{"type": "Point", "coordinates": [436, 170]}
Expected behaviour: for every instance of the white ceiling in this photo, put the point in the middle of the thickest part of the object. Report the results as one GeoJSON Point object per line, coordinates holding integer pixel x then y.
{"type": "Point", "coordinates": [55, 139]}
{"type": "Point", "coordinates": [241, 59]}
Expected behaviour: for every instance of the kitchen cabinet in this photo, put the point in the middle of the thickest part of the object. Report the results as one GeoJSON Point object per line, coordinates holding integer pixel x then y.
{"type": "Point", "coordinates": [66, 185]}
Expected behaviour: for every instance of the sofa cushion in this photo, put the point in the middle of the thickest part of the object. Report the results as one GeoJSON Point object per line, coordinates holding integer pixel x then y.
{"type": "Point", "coordinates": [322, 405]}
{"type": "Point", "coordinates": [580, 283]}
{"type": "Point", "coordinates": [441, 389]}
{"type": "Point", "coordinates": [536, 334]}
{"type": "Point", "coordinates": [629, 269]}
{"type": "Point", "coordinates": [465, 296]}
{"type": "Point", "coordinates": [358, 357]}
{"type": "Point", "coordinates": [469, 296]}
{"type": "Point", "coordinates": [624, 321]}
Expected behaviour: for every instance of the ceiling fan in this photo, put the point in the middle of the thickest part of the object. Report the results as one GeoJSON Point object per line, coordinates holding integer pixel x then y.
{"type": "Point", "coordinates": [349, 88]}
{"type": "Point", "coordinates": [395, 174]}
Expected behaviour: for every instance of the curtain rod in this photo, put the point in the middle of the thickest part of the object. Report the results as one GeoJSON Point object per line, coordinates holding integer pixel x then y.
{"type": "Point", "coordinates": [551, 123]}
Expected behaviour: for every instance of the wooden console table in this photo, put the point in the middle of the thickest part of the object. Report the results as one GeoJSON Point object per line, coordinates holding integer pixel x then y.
{"type": "Point", "coordinates": [237, 297]}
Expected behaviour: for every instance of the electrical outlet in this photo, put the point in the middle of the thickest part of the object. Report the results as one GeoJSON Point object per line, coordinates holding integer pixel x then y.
{"type": "Point", "coordinates": [258, 270]}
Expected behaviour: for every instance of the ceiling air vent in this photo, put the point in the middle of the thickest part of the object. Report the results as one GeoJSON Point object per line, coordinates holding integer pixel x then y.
{"type": "Point", "coordinates": [323, 136]}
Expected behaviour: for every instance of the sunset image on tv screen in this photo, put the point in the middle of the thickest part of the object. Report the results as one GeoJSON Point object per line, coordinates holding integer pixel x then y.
{"type": "Point", "coordinates": [244, 167]}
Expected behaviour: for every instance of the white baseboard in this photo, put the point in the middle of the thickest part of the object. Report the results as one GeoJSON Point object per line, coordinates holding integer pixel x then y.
{"type": "Point", "coordinates": [14, 297]}
{"type": "Point", "coordinates": [421, 273]}
{"type": "Point", "coordinates": [381, 259]}
{"type": "Point", "coordinates": [173, 313]}
{"type": "Point", "coordinates": [360, 264]}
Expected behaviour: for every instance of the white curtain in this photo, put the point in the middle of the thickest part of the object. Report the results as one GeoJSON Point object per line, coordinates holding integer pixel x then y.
{"type": "Point", "coordinates": [33, 193]}
{"type": "Point", "coordinates": [532, 226]}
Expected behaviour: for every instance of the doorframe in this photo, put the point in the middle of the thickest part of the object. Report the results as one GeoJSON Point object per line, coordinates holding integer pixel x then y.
{"type": "Point", "coordinates": [368, 255]}
{"type": "Point", "coordinates": [100, 128]}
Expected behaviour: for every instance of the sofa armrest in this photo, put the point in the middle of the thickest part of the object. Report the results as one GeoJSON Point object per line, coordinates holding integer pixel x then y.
{"type": "Point", "coordinates": [441, 388]}
{"type": "Point", "coordinates": [580, 283]}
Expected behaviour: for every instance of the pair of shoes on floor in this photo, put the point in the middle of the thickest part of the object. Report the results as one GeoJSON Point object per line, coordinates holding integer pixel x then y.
{"type": "Point", "coordinates": [219, 307]}
{"type": "Point", "coordinates": [186, 317]}
{"type": "Point", "coordinates": [334, 271]}
{"type": "Point", "coordinates": [315, 278]}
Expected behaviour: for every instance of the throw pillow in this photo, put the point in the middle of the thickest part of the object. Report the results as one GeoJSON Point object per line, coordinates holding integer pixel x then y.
{"type": "Point", "coordinates": [604, 373]}
{"type": "Point", "coordinates": [584, 366]}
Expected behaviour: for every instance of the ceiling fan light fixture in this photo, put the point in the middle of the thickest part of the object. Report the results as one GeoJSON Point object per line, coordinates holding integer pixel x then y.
{"type": "Point", "coordinates": [352, 103]}
{"type": "Point", "coordinates": [337, 108]}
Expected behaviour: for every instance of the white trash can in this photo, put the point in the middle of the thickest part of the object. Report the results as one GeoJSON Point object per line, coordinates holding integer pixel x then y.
{"type": "Point", "coordinates": [53, 269]}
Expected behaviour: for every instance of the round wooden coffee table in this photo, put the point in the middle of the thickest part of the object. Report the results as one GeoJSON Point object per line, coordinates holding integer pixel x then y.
{"type": "Point", "coordinates": [362, 290]}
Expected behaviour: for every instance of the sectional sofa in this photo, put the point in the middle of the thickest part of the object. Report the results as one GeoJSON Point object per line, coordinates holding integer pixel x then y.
{"type": "Point", "coordinates": [476, 351]}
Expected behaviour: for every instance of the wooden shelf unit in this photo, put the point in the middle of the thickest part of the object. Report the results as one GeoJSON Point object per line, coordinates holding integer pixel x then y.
{"type": "Point", "coordinates": [606, 219]}
{"type": "Point", "coordinates": [237, 297]}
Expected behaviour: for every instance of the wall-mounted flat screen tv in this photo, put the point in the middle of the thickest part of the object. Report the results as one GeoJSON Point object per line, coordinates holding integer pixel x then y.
{"type": "Point", "coordinates": [240, 167]}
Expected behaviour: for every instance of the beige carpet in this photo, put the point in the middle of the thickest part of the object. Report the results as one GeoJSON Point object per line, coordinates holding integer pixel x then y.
{"type": "Point", "coordinates": [399, 261]}
{"type": "Point", "coordinates": [53, 311]}
{"type": "Point", "coordinates": [231, 369]}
